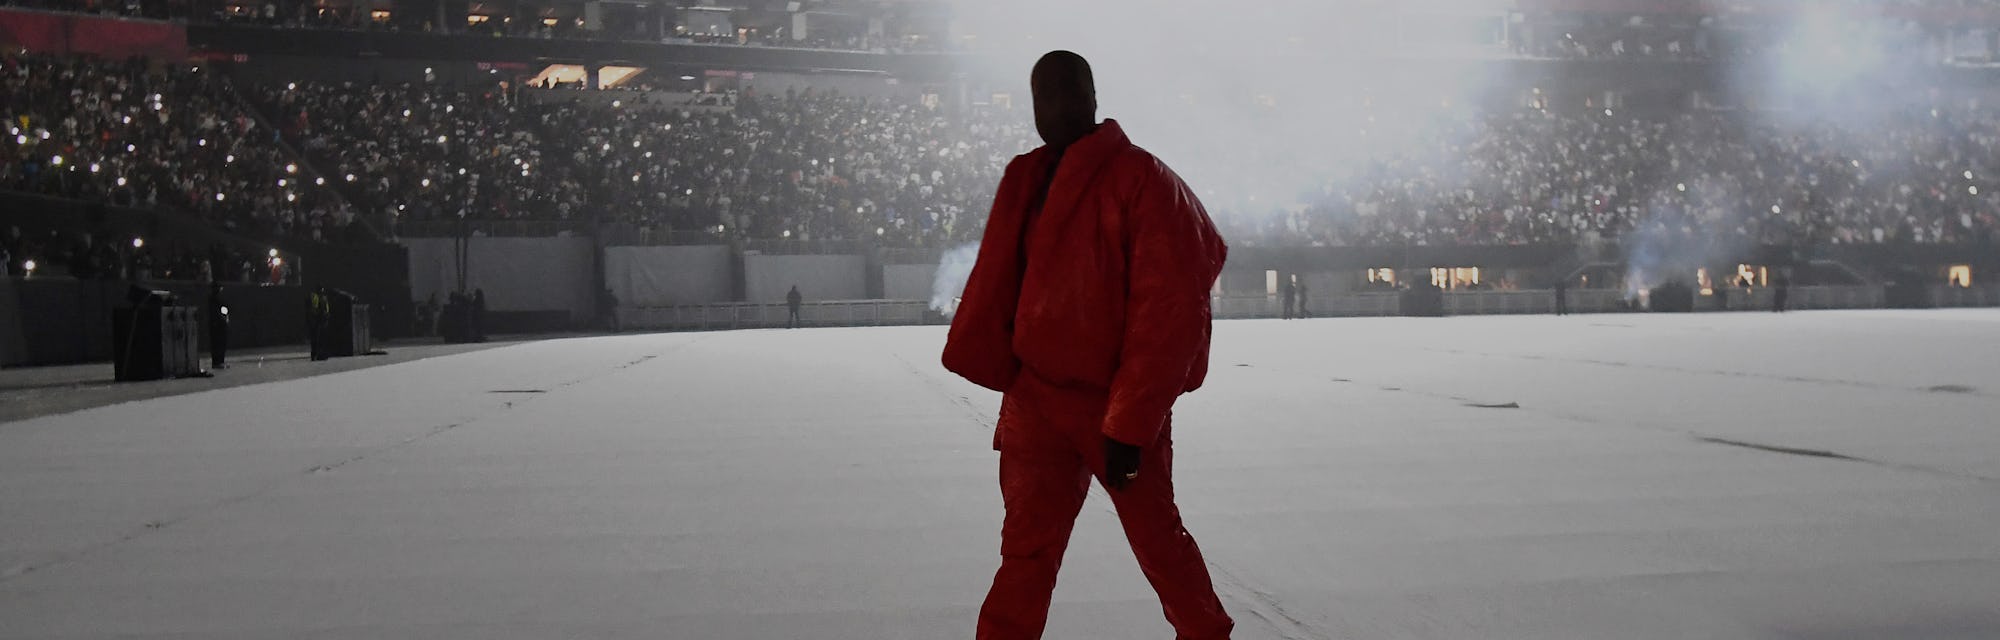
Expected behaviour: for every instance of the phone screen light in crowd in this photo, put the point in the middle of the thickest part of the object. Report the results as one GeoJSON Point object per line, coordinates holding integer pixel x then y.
{"type": "Point", "coordinates": [690, 192]}
{"type": "Point", "coordinates": [56, 160]}
{"type": "Point", "coordinates": [1775, 209]}
{"type": "Point", "coordinates": [880, 231]}
{"type": "Point", "coordinates": [277, 262]}
{"type": "Point", "coordinates": [131, 148]}
{"type": "Point", "coordinates": [127, 120]}
{"type": "Point", "coordinates": [30, 266]}
{"type": "Point", "coordinates": [219, 197]}
{"type": "Point", "coordinates": [815, 162]}
{"type": "Point", "coordinates": [635, 144]}
{"type": "Point", "coordinates": [427, 70]}
{"type": "Point", "coordinates": [441, 139]}
{"type": "Point", "coordinates": [201, 142]}
{"type": "Point", "coordinates": [138, 243]}
{"type": "Point", "coordinates": [786, 233]}
{"type": "Point", "coordinates": [350, 177]}
{"type": "Point", "coordinates": [273, 254]}
{"type": "Point", "coordinates": [721, 228]}
{"type": "Point", "coordinates": [635, 177]}
{"type": "Point", "coordinates": [859, 210]}
{"type": "Point", "coordinates": [492, 72]}
{"type": "Point", "coordinates": [21, 139]}
{"type": "Point", "coordinates": [1972, 190]}
{"type": "Point", "coordinates": [1968, 174]}
{"type": "Point", "coordinates": [406, 113]}
{"type": "Point", "coordinates": [687, 78]}
{"type": "Point", "coordinates": [666, 127]}
{"type": "Point", "coordinates": [402, 207]}
{"type": "Point", "coordinates": [1607, 112]}
{"type": "Point", "coordinates": [93, 167]}
{"type": "Point", "coordinates": [1856, 163]}
{"type": "Point", "coordinates": [1680, 186]}
{"type": "Point", "coordinates": [291, 197]}
{"type": "Point", "coordinates": [427, 182]}
{"type": "Point", "coordinates": [281, 182]}
{"type": "Point", "coordinates": [448, 108]}
{"type": "Point", "coordinates": [196, 69]}
{"type": "Point", "coordinates": [291, 86]}
{"type": "Point", "coordinates": [229, 158]}
{"type": "Point", "coordinates": [617, 103]}
{"type": "Point", "coordinates": [606, 147]}
{"type": "Point", "coordinates": [461, 171]}
{"type": "Point", "coordinates": [121, 181]}
{"type": "Point", "coordinates": [291, 168]}
{"type": "Point", "coordinates": [319, 181]}
{"type": "Point", "coordinates": [649, 154]}
{"type": "Point", "coordinates": [45, 134]}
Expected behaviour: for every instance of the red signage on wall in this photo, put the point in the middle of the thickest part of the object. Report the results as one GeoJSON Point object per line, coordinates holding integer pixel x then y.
{"type": "Point", "coordinates": [109, 37]}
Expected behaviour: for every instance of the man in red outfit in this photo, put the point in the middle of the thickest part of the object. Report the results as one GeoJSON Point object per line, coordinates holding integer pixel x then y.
{"type": "Point", "coordinates": [1088, 308]}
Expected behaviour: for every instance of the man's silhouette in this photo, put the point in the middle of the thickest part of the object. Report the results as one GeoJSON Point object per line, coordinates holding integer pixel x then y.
{"type": "Point", "coordinates": [1288, 293]}
{"type": "Point", "coordinates": [218, 327]}
{"type": "Point", "coordinates": [792, 303]}
{"type": "Point", "coordinates": [1088, 308]}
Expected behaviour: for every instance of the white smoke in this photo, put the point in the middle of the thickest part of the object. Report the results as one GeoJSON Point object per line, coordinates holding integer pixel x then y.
{"type": "Point", "coordinates": [952, 271]}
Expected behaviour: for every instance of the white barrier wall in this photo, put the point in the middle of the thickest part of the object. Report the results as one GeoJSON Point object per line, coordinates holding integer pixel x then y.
{"type": "Point", "coordinates": [667, 276]}
{"type": "Point", "coordinates": [908, 281]}
{"type": "Point", "coordinates": [766, 278]}
{"type": "Point", "coordinates": [518, 274]}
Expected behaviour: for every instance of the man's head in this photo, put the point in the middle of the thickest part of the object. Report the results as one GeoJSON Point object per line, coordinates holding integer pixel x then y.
{"type": "Point", "coordinates": [1065, 98]}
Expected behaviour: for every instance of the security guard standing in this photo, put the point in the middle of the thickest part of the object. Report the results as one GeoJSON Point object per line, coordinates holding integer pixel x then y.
{"type": "Point", "coordinates": [218, 326]}
{"type": "Point", "coordinates": [318, 313]}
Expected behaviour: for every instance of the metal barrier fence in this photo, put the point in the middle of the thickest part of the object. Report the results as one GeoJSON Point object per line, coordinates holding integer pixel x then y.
{"type": "Point", "coordinates": [837, 313]}
{"type": "Point", "coordinates": [863, 313]}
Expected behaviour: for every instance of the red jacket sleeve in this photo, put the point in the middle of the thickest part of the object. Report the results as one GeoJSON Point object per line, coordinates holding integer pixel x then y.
{"type": "Point", "coordinates": [1173, 257]}
{"type": "Point", "coordinates": [980, 346]}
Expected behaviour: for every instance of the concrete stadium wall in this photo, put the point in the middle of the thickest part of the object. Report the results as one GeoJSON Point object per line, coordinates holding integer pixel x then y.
{"type": "Point", "coordinates": [908, 281]}
{"type": "Point", "coordinates": [766, 278]}
{"type": "Point", "coordinates": [518, 274]}
{"type": "Point", "coordinates": [667, 276]}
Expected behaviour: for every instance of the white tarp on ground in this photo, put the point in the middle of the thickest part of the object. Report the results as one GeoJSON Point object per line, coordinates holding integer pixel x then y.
{"type": "Point", "coordinates": [837, 484]}
{"type": "Point", "coordinates": [666, 276]}
{"type": "Point", "coordinates": [518, 274]}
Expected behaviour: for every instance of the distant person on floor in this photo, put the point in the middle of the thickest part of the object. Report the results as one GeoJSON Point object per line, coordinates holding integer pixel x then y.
{"type": "Point", "coordinates": [1088, 308]}
{"type": "Point", "coordinates": [792, 303]}
{"type": "Point", "coordinates": [1288, 294]}
{"type": "Point", "coordinates": [1562, 297]}
{"type": "Point", "coordinates": [319, 313]}
{"type": "Point", "coordinates": [218, 327]}
{"type": "Point", "coordinates": [479, 315]}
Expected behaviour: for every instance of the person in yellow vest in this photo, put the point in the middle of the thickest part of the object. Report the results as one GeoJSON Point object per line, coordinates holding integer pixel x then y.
{"type": "Point", "coordinates": [318, 312]}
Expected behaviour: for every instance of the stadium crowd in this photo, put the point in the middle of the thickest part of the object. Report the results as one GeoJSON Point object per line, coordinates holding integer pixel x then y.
{"type": "Point", "coordinates": [801, 166]}
{"type": "Point", "coordinates": [1531, 176]}
{"type": "Point", "coordinates": [135, 133]}
{"type": "Point", "coordinates": [812, 166]}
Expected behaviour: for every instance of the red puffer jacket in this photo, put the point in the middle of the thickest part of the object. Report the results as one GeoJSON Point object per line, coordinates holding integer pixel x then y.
{"type": "Point", "coordinates": [1115, 294]}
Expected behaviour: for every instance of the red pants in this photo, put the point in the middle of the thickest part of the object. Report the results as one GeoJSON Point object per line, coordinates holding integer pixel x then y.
{"type": "Point", "coordinates": [1050, 447]}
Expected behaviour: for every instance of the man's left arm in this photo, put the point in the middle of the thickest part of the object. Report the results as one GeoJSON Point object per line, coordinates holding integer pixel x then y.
{"type": "Point", "coordinates": [1168, 270]}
